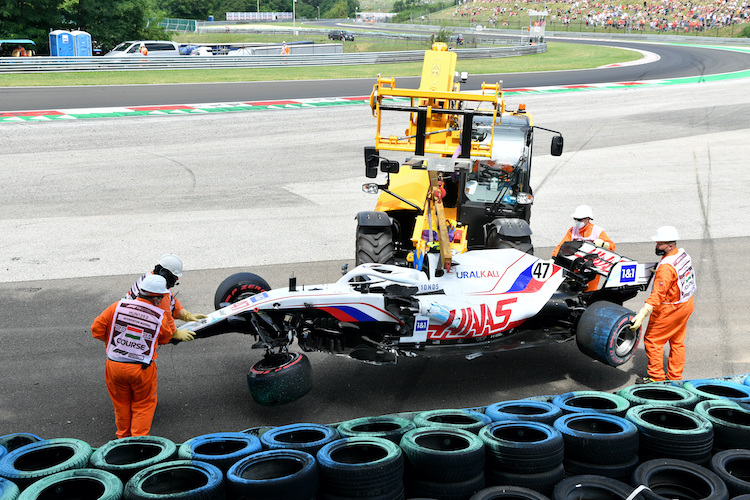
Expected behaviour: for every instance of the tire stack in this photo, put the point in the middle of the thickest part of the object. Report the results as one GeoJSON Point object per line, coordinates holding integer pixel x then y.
{"type": "Point", "coordinates": [646, 442]}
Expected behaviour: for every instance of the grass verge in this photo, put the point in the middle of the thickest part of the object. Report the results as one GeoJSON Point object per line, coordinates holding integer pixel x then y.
{"type": "Point", "coordinates": [560, 56]}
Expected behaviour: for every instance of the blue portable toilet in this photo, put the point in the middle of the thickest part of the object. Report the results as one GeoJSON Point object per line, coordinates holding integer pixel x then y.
{"type": "Point", "coordinates": [82, 43]}
{"type": "Point", "coordinates": [61, 43]}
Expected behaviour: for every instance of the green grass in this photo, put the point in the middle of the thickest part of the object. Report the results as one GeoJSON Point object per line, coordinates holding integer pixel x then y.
{"type": "Point", "coordinates": [560, 56]}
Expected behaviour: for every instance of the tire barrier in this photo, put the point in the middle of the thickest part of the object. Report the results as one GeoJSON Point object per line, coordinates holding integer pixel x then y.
{"type": "Point", "coordinates": [730, 421]}
{"type": "Point", "coordinates": [3, 451]}
{"type": "Point", "coordinates": [388, 427]}
{"type": "Point", "coordinates": [462, 419]}
{"type": "Point", "coordinates": [8, 490]}
{"type": "Point", "coordinates": [508, 493]}
{"type": "Point", "coordinates": [588, 401]}
{"type": "Point", "coordinates": [274, 475]}
{"type": "Point", "coordinates": [124, 457]}
{"type": "Point", "coordinates": [593, 487]}
{"type": "Point", "coordinates": [719, 389]}
{"type": "Point", "coordinates": [522, 447]}
{"type": "Point", "coordinates": [361, 467]}
{"type": "Point", "coordinates": [221, 449]}
{"type": "Point", "coordinates": [83, 484]}
{"type": "Point", "coordinates": [733, 467]}
{"type": "Point", "coordinates": [12, 441]}
{"type": "Point", "coordinates": [659, 394]}
{"type": "Point", "coordinates": [523, 409]}
{"type": "Point", "coordinates": [671, 432]}
{"type": "Point", "coordinates": [34, 461]}
{"type": "Point", "coordinates": [302, 437]}
{"type": "Point", "coordinates": [671, 478]}
{"type": "Point", "coordinates": [599, 444]}
{"type": "Point", "coordinates": [181, 479]}
{"type": "Point", "coordinates": [543, 482]}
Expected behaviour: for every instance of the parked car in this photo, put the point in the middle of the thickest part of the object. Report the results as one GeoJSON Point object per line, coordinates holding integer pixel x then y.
{"type": "Point", "coordinates": [155, 48]}
{"type": "Point", "coordinates": [341, 35]}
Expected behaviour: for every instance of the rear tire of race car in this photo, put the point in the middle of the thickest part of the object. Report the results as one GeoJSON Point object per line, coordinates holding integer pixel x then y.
{"type": "Point", "coordinates": [77, 483]}
{"type": "Point", "coordinates": [279, 379]}
{"type": "Point", "coordinates": [604, 333]}
{"type": "Point", "coordinates": [239, 286]}
{"type": "Point", "coordinates": [374, 245]}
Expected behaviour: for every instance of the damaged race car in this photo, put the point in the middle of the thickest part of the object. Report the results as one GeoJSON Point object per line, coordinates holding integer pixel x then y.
{"type": "Point", "coordinates": [489, 300]}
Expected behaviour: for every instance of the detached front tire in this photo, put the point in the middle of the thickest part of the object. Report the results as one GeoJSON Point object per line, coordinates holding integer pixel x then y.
{"type": "Point", "coordinates": [604, 333]}
{"type": "Point", "coordinates": [278, 379]}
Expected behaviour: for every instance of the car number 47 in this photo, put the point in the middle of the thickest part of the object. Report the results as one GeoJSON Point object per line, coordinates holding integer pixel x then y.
{"type": "Point", "coordinates": [542, 270]}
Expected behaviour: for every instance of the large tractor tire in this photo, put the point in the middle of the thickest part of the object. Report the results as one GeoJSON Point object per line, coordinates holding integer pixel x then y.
{"type": "Point", "coordinates": [279, 379]}
{"type": "Point", "coordinates": [238, 287]}
{"type": "Point", "coordinates": [604, 333]}
{"type": "Point", "coordinates": [374, 245]}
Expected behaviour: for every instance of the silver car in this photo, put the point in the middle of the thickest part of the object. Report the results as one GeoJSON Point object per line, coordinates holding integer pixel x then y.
{"type": "Point", "coordinates": [155, 48]}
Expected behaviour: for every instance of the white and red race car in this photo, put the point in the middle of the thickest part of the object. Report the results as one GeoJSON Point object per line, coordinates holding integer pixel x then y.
{"type": "Point", "coordinates": [490, 300]}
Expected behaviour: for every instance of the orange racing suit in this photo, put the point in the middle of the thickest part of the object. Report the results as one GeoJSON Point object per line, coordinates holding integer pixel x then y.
{"type": "Point", "coordinates": [590, 232]}
{"type": "Point", "coordinates": [131, 330]}
{"type": "Point", "coordinates": [672, 299]}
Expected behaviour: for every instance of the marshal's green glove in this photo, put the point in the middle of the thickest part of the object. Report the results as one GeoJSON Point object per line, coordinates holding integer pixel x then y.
{"type": "Point", "coordinates": [188, 317]}
{"type": "Point", "coordinates": [183, 335]}
{"type": "Point", "coordinates": [645, 311]}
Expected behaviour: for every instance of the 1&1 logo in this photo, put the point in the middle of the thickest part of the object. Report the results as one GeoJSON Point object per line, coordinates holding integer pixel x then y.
{"type": "Point", "coordinates": [627, 273]}
{"type": "Point", "coordinates": [421, 325]}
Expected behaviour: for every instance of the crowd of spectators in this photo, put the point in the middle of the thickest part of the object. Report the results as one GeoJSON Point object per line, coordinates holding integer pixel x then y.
{"type": "Point", "coordinates": [665, 15]}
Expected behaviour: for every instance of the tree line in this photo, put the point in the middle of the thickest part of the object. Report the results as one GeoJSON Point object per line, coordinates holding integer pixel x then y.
{"type": "Point", "coordinates": [110, 22]}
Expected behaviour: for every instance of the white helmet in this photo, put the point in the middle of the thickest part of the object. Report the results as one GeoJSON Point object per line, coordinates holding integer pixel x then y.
{"type": "Point", "coordinates": [666, 233]}
{"type": "Point", "coordinates": [583, 212]}
{"type": "Point", "coordinates": [154, 284]}
{"type": "Point", "coordinates": [171, 263]}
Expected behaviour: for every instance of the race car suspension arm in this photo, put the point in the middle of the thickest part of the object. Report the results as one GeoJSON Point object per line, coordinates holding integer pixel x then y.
{"type": "Point", "coordinates": [282, 339]}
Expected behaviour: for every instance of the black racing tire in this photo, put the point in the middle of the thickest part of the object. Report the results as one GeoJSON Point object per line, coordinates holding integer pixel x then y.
{"type": "Point", "coordinates": [592, 401]}
{"type": "Point", "coordinates": [621, 471]}
{"type": "Point", "coordinates": [507, 493]}
{"type": "Point", "coordinates": [462, 419]}
{"type": "Point", "coordinates": [282, 474]}
{"type": "Point", "coordinates": [672, 432]}
{"type": "Point", "coordinates": [360, 467]}
{"type": "Point", "coordinates": [604, 333]}
{"type": "Point", "coordinates": [453, 490]}
{"type": "Point", "coordinates": [525, 410]}
{"type": "Point", "coordinates": [598, 438]}
{"type": "Point", "coordinates": [374, 245]}
{"type": "Point", "coordinates": [659, 394]}
{"type": "Point", "coordinates": [719, 389]}
{"type": "Point", "coordinates": [442, 454]}
{"type": "Point", "coordinates": [81, 484]}
{"type": "Point", "coordinates": [279, 379]}
{"type": "Point", "coordinates": [385, 426]}
{"type": "Point", "coordinates": [221, 449]}
{"type": "Point", "coordinates": [238, 287]}
{"type": "Point", "coordinates": [522, 447]}
{"type": "Point", "coordinates": [124, 457]}
{"type": "Point", "coordinates": [543, 482]}
{"type": "Point", "coordinates": [671, 478]}
{"type": "Point", "coordinates": [177, 479]}
{"type": "Point", "coordinates": [17, 439]}
{"type": "Point", "coordinates": [8, 489]}
{"type": "Point", "coordinates": [731, 423]}
{"type": "Point", "coordinates": [304, 437]}
{"type": "Point", "coordinates": [34, 461]}
{"type": "Point", "coordinates": [733, 467]}
{"type": "Point", "coordinates": [593, 487]}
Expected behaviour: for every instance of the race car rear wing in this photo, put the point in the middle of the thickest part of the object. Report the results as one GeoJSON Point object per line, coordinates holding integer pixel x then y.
{"type": "Point", "coordinates": [585, 262]}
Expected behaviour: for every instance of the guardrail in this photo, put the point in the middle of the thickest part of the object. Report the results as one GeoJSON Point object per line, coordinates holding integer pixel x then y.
{"type": "Point", "coordinates": [70, 64]}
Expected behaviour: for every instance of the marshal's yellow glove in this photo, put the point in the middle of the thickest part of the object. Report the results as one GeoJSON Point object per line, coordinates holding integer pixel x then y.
{"type": "Point", "coordinates": [645, 311]}
{"type": "Point", "coordinates": [183, 335]}
{"type": "Point", "coordinates": [601, 243]}
{"type": "Point", "coordinates": [188, 317]}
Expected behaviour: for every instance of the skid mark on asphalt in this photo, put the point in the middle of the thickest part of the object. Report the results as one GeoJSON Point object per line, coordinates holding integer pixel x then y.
{"type": "Point", "coordinates": [193, 182]}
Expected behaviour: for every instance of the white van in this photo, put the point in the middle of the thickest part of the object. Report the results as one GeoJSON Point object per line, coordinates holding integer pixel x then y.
{"type": "Point", "coordinates": [155, 48]}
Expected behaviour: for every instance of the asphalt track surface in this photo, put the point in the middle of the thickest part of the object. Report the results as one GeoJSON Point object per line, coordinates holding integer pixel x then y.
{"type": "Point", "coordinates": [674, 61]}
{"type": "Point", "coordinates": [90, 204]}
